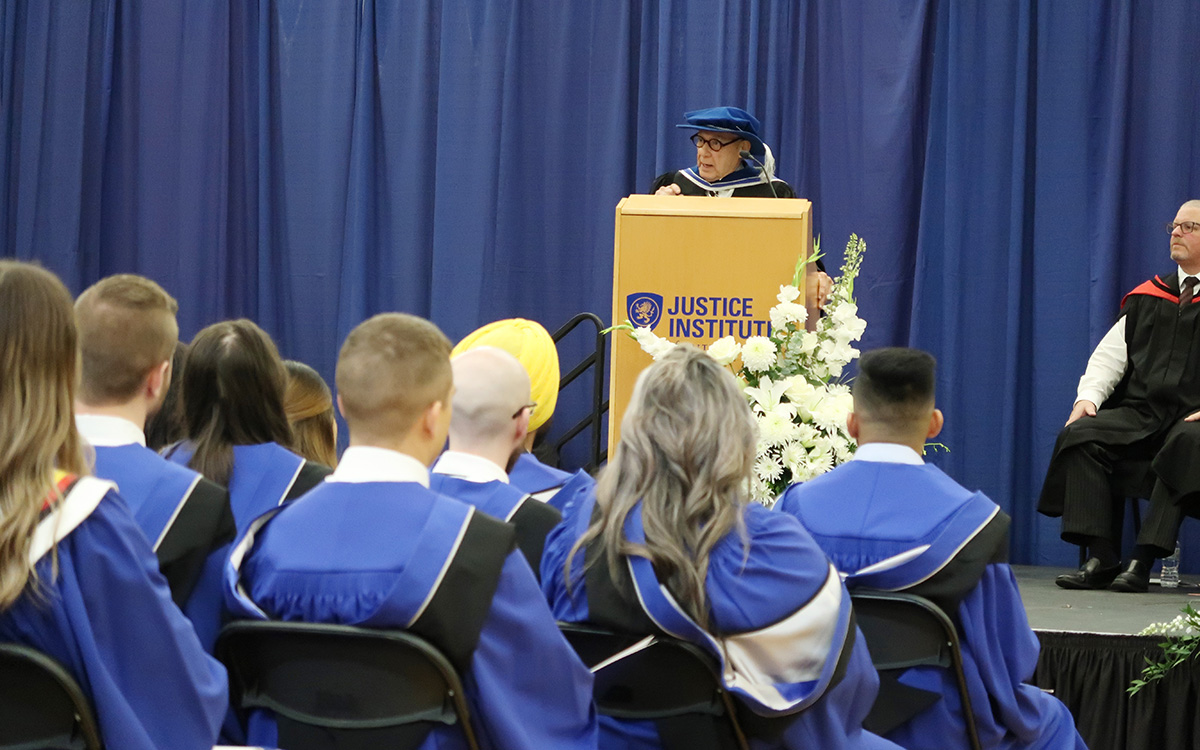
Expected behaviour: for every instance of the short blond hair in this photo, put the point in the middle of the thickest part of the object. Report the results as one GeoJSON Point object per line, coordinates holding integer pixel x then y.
{"type": "Point", "coordinates": [127, 327]}
{"type": "Point", "coordinates": [391, 368]}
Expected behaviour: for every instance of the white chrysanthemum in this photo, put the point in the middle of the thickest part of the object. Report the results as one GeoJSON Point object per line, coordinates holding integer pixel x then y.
{"type": "Point", "coordinates": [843, 450]}
{"type": "Point", "coordinates": [758, 353]}
{"type": "Point", "coordinates": [794, 457]}
{"type": "Point", "coordinates": [786, 313]}
{"type": "Point", "coordinates": [767, 468]}
{"type": "Point", "coordinates": [787, 293]}
{"type": "Point", "coordinates": [761, 492]}
{"type": "Point", "coordinates": [724, 350]}
{"type": "Point", "coordinates": [775, 428]}
{"type": "Point", "coordinates": [819, 464]}
{"type": "Point", "coordinates": [828, 414]}
{"type": "Point", "coordinates": [806, 434]}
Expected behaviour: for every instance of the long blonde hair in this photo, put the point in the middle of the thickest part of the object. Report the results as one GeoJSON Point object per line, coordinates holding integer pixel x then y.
{"type": "Point", "coordinates": [39, 371]}
{"type": "Point", "coordinates": [308, 405]}
{"type": "Point", "coordinates": [686, 453]}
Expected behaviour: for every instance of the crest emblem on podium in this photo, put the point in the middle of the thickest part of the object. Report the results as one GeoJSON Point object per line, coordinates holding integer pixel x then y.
{"type": "Point", "coordinates": [644, 308]}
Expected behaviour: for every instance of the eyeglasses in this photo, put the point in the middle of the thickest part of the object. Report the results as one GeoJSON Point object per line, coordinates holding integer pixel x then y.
{"type": "Point", "coordinates": [1185, 227]}
{"type": "Point", "coordinates": [712, 143]}
{"type": "Point", "coordinates": [530, 406]}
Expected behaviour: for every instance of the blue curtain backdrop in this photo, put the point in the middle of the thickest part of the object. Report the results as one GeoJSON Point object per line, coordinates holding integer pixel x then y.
{"type": "Point", "coordinates": [309, 164]}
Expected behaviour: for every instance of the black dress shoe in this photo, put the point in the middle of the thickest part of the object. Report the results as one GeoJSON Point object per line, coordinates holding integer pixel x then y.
{"type": "Point", "coordinates": [1091, 576]}
{"type": "Point", "coordinates": [1135, 579]}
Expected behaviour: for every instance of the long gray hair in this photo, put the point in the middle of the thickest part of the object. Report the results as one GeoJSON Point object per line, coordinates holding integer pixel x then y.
{"type": "Point", "coordinates": [686, 453]}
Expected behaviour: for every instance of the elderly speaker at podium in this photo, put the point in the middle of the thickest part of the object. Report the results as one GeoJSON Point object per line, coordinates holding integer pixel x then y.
{"type": "Point", "coordinates": [733, 161]}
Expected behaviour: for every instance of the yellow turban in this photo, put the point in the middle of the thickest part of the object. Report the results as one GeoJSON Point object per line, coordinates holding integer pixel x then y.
{"type": "Point", "coordinates": [530, 343]}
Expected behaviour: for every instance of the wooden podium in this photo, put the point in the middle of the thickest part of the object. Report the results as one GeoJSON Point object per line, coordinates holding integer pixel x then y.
{"type": "Point", "coordinates": [695, 269]}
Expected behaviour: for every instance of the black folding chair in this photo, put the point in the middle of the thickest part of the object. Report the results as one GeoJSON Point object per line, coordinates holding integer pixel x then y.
{"type": "Point", "coordinates": [335, 687]}
{"type": "Point", "coordinates": [905, 630]}
{"type": "Point", "coordinates": [41, 705]}
{"type": "Point", "coordinates": [671, 682]}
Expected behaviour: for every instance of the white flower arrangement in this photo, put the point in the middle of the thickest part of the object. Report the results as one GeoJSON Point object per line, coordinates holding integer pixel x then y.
{"type": "Point", "coordinates": [1182, 645]}
{"type": "Point", "coordinates": [792, 379]}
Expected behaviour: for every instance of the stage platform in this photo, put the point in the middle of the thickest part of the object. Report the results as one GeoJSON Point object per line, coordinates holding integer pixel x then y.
{"type": "Point", "coordinates": [1050, 608]}
{"type": "Point", "coordinates": [1090, 653]}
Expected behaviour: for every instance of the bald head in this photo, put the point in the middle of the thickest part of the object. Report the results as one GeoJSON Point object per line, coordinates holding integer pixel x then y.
{"type": "Point", "coordinates": [490, 387]}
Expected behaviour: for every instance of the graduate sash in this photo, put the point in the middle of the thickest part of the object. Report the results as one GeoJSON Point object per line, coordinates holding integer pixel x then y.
{"type": "Point", "coordinates": [62, 512]}
{"type": "Point", "coordinates": [445, 590]}
{"type": "Point", "coordinates": [531, 519]}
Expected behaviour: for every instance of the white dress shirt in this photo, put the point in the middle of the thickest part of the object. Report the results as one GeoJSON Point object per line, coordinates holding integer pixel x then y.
{"type": "Point", "coordinates": [888, 453]}
{"type": "Point", "coordinates": [470, 467]}
{"type": "Point", "coordinates": [108, 432]}
{"type": "Point", "coordinates": [1106, 366]}
{"type": "Point", "coordinates": [365, 463]}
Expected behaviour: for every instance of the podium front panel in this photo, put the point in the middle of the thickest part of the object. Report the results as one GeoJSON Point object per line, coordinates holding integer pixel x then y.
{"type": "Point", "coordinates": [696, 269]}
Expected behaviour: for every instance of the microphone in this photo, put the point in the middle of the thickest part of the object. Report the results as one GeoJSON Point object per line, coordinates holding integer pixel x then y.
{"type": "Point", "coordinates": [762, 168]}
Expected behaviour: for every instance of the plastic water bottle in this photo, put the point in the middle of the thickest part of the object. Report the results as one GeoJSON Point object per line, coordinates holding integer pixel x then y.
{"type": "Point", "coordinates": [1168, 577]}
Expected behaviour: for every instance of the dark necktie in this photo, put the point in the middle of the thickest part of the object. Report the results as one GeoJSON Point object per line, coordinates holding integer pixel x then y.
{"type": "Point", "coordinates": [1188, 291]}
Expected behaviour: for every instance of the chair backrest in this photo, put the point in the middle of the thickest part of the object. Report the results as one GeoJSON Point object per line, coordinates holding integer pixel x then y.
{"type": "Point", "coordinates": [41, 705]}
{"type": "Point", "coordinates": [905, 630]}
{"type": "Point", "coordinates": [667, 680]}
{"type": "Point", "coordinates": [336, 686]}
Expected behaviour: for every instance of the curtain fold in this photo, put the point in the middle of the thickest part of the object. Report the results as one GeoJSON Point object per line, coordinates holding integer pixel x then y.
{"type": "Point", "coordinates": [310, 164]}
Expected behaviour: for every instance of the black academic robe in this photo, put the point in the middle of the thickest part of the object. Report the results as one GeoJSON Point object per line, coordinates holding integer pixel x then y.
{"type": "Point", "coordinates": [1161, 386]}
{"type": "Point", "coordinates": [746, 183]}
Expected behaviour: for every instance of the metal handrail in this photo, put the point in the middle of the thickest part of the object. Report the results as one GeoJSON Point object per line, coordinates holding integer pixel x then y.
{"type": "Point", "coordinates": [598, 451]}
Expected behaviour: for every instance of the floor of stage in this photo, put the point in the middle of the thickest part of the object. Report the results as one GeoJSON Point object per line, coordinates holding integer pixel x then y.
{"type": "Point", "coordinates": [1050, 608]}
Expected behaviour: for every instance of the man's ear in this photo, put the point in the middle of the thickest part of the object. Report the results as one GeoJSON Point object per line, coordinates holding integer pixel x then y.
{"type": "Point", "coordinates": [430, 417]}
{"type": "Point", "coordinates": [157, 381]}
{"type": "Point", "coordinates": [522, 428]}
{"type": "Point", "coordinates": [341, 409]}
{"type": "Point", "coordinates": [936, 421]}
{"type": "Point", "coordinates": [852, 425]}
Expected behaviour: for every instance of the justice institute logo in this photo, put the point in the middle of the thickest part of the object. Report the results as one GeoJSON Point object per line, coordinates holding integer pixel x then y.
{"type": "Point", "coordinates": [644, 308]}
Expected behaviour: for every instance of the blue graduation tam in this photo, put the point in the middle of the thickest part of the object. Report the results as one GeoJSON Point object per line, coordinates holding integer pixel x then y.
{"type": "Point", "coordinates": [726, 120]}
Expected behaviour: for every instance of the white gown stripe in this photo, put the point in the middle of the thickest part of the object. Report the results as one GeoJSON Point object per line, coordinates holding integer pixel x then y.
{"type": "Point", "coordinates": [462, 531]}
{"type": "Point", "coordinates": [894, 561]}
{"type": "Point", "coordinates": [794, 649]}
{"type": "Point", "coordinates": [175, 514]}
{"type": "Point", "coordinates": [81, 500]}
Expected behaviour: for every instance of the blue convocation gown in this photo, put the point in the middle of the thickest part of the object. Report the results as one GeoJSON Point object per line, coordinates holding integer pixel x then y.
{"type": "Point", "coordinates": [367, 554]}
{"type": "Point", "coordinates": [887, 512]}
{"type": "Point", "coordinates": [477, 481]}
{"type": "Point", "coordinates": [545, 482]}
{"type": "Point", "coordinates": [784, 592]}
{"type": "Point", "coordinates": [264, 475]}
{"type": "Point", "coordinates": [109, 620]}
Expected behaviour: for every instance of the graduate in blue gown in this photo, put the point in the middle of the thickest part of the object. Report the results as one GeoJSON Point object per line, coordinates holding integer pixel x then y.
{"type": "Point", "coordinates": [534, 348]}
{"type": "Point", "coordinates": [373, 546]}
{"type": "Point", "coordinates": [232, 403]}
{"type": "Point", "coordinates": [78, 580]}
{"type": "Point", "coordinates": [490, 422]}
{"type": "Point", "coordinates": [128, 333]}
{"type": "Point", "coordinates": [668, 543]}
{"type": "Point", "coordinates": [891, 522]}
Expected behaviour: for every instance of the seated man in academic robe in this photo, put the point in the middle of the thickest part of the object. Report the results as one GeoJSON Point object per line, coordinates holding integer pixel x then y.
{"type": "Point", "coordinates": [888, 521]}
{"type": "Point", "coordinates": [1138, 401]}
{"type": "Point", "coordinates": [487, 432]}
{"type": "Point", "coordinates": [534, 348]}
{"type": "Point", "coordinates": [373, 546]}
{"type": "Point", "coordinates": [128, 333]}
